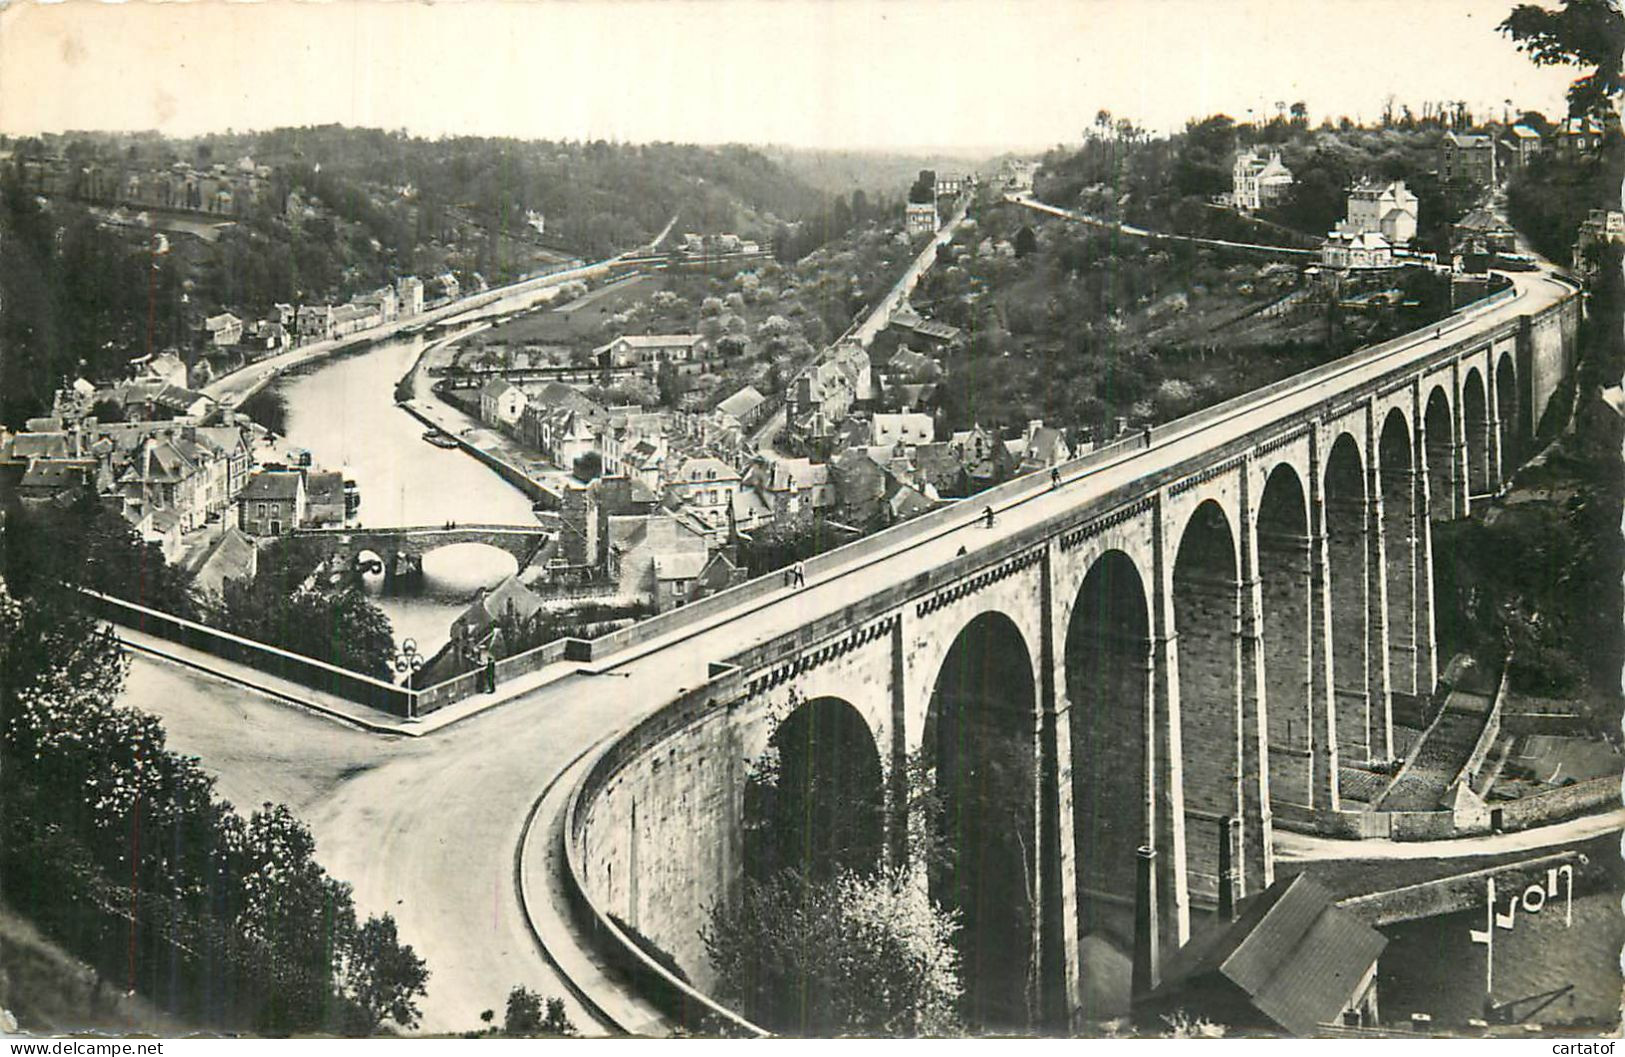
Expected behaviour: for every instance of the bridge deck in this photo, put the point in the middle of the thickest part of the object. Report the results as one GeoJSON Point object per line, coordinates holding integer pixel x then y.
{"type": "Point", "coordinates": [920, 545]}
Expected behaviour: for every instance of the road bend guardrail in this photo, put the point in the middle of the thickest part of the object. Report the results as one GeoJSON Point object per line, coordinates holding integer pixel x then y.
{"type": "Point", "coordinates": [284, 664]}
{"type": "Point", "coordinates": [675, 997]}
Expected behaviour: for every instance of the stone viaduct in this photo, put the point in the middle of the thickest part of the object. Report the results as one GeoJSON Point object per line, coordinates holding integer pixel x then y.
{"type": "Point", "coordinates": [1135, 672]}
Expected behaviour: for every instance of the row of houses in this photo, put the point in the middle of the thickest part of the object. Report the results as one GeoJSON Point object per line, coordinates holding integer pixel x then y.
{"type": "Point", "coordinates": [167, 478]}
{"type": "Point", "coordinates": [220, 188]}
{"type": "Point", "coordinates": [1489, 157]}
{"type": "Point", "coordinates": [697, 245]}
{"type": "Point", "coordinates": [288, 324]}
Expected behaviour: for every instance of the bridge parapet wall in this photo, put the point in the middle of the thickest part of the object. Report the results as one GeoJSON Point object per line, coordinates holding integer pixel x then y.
{"type": "Point", "coordinates": [1551, 341]}
{"type": "Point", "coordinates": [519, 540]}
{"type": "Point", "coordinates": [664, 798]}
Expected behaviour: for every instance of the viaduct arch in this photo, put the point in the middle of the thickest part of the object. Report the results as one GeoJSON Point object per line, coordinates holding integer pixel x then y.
{"type": "Point", "coordinates": [1205, 625]}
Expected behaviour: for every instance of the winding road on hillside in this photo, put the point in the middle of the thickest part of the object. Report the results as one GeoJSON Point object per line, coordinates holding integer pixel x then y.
{"type": "Point", "coordinates": [1029, 202]}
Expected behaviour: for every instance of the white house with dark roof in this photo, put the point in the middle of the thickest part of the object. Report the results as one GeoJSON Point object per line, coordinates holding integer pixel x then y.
{"type": "Point", "coordinates": [649, 350]}
{"type": "Point", "coordinates": [1257, 182]}
{"type": "Point", "coordinates": [224, 330]}
{"type": "Point", "coordinates": [501, 403]}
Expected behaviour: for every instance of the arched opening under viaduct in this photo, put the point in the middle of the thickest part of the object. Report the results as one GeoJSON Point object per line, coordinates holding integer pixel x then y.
{"type": "Point", "coordinates": [1346, 531]}
{"type": "Point", "coordinates": [1284, 572]}
{"type": "Point", "coordinates": [1440, 449]}
{"type": "Point", "coordinates": [1108, 684]}
{"type": "Point", "coordinates": [1476, 428]}
{"type": "Point", "coordinates": [980, 744]}
{"type": "Point", "coordinates": [1508, 411]}
{"type": "Point", "coordinates": [1401, 526]}
{"type": "Point", "coordinates": [817, 806]}
{"type": "Point", "coordinates": [1207, 615]}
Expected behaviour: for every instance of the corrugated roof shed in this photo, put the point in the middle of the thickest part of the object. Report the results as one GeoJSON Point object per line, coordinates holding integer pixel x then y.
{"type": "Point", "coordinates": [1294, 954]}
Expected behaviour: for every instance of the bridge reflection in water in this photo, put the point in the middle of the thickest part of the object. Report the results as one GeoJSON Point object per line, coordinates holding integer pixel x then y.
{"type": "Point", "coordinates": [1183, 644]}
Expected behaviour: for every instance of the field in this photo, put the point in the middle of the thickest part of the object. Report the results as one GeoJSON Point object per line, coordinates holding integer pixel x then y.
{"type": "Point", "coordinates": [575, 322]}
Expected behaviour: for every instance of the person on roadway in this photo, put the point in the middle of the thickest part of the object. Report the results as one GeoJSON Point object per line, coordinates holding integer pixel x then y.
{"type": "Point", "coordinates": [1055, 477]}
{"type": "Point", "coordinates": [987, 516]}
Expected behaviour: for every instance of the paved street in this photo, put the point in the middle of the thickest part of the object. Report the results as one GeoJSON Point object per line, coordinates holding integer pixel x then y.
{"type": "Point", "coordinates": [1301, 846]}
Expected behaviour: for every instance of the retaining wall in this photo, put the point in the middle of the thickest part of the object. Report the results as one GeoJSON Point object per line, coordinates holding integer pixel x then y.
{"type": "Point", "coordinates": [307, 671]}
{"type": "Point", "coordinates": [1462, 891]}
{"type": "Point", "coordinates": [1558, 804]}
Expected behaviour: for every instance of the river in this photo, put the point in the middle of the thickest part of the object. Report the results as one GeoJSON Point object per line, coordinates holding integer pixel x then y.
{"type": "Point", "coordinates": [343, 411]}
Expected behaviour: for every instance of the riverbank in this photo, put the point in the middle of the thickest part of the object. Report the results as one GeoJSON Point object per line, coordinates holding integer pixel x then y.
{"type": "Point", "coordinates": [231, 389]}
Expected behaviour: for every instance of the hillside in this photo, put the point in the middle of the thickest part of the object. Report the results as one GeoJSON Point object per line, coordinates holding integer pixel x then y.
{"type": "Point", "coordinates": [1168, 183]}
{"type": "Point", "coordinates": [1080, 327]}
{"type": "Point", "coordinates": [875, 173]}
{"type": "Point", "coordinates": [313, 215]}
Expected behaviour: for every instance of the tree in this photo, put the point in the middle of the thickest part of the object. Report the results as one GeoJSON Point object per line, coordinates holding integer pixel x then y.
{"type": "Point", "coordinates": [383, 977]}
{"type": "Point", "coordinates": [337, 624]}
{"type": "Point", "coordinates": [269, 408]}
{"type": "Point", "coordinates": [924, 188]}
{"type": "Point", "coordinates": [107, 410]}
{"type": "Point", "coordinates": [231, 913]}
{"type": "Point", "coordinates": [529, 1013]}
{"type": "Point", "coordinates": [860, 206]}
{"type": "Point", "coordinates": [1585, 33]}
{"type": "Point", "coordinates": [89, 545]}
{"type": "Point", "coordinates": [855, 955]}
{"type": "Point", "coordinates": [588, 466]}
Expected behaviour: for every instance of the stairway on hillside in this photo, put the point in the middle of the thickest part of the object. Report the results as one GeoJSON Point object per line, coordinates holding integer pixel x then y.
{"type": "Point", "coordinates": [1439, 756]}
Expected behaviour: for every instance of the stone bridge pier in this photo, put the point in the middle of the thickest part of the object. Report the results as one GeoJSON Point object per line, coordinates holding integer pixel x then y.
{"type": "Point", "coordinates": [1083, 729]}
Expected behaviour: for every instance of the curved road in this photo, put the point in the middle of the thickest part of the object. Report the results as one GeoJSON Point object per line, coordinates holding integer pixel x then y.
{"type": "Point", "coordinates": [1027, 200]}
{"type": "Point", "coordinates": [427, 829]}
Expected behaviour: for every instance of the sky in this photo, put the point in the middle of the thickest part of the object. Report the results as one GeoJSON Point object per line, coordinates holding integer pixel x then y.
{"type": "Point", "coordinates": [970, 74]}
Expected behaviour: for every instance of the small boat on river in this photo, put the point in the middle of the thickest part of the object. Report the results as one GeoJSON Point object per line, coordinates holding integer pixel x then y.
{"type": "Point", "coordinates": [440, 439]}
